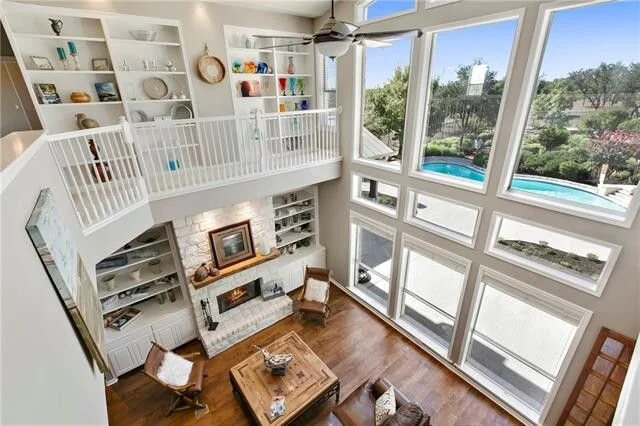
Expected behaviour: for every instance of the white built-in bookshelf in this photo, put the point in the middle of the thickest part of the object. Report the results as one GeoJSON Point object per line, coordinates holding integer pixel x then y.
{"type": "Point", "coordinates": [99, 35]}
{"type": "Point", "coordinates": [277, 59]}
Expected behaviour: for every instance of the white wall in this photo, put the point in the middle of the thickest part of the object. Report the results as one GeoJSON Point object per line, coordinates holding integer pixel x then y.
{"type": "Point", "coordinates": [46, 376]}
{"type": "Point", "coordinates": [202, 22]}
{"type": "Point", "coordinates": [619, 306]}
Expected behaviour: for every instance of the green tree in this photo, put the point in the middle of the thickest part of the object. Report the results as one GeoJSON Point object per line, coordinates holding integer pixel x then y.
{"type": "Point", "coordinates": [601, 86]}
{"type": "Point", "coordinates": [385, 107]}
{"type": "Point", "coordinates": [550, 105]}
{"type": "Point", "coordinates": [630, 89]}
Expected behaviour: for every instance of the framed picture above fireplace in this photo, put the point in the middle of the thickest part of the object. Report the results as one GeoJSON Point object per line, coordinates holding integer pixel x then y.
{"type": "Point", "coordinates": [232, 244]}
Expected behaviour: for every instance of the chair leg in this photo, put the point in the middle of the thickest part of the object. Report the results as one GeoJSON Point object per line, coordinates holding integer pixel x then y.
{"type": "Point", "coordinates": [175, 400]}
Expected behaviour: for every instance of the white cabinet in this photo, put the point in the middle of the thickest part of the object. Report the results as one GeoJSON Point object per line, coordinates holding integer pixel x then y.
{"type": "Point", "coordinates": [164, 336]}
{"type": "Point", "coordinates": [122, 359]}
{"type": "Point", "coordinates": [292, 268]}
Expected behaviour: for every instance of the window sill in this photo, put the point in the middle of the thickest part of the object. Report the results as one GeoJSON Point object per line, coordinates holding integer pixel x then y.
{"type": "Point", "coordinates": [456, 183]}
{"type": "Point", "coordinates": [382, 165]}
{"type": "Point", "coordinates": [373, 206]}
{"type": "Point", "coordinates": [442, 232]}
{"type": "Point", "coordinates": [423, 337]}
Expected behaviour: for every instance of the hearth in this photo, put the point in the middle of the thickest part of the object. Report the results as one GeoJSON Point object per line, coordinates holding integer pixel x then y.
{"type": "Point", "coordinates": [239, 295]}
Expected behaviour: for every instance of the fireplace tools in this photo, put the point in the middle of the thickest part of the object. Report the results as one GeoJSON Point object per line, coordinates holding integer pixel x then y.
{"type": "Point", "coordinates": [206, 313]}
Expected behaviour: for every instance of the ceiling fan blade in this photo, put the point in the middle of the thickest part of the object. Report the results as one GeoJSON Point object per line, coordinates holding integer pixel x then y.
{"type": "Point", "coordinates": [373, 43]}
{"type": "Point", "coordinates": [387, 35]}
{"type": "Point", "coordinates": [302, 43]}
{"type": "Point", "coordinates": [274, 36]}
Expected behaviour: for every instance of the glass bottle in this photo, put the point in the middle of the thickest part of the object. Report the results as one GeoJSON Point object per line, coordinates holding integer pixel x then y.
{"type": "Point", "coordinates": [291, 69]}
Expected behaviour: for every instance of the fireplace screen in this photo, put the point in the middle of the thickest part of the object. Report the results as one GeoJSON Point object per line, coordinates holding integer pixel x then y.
{"type": "Point", "coordinates": [238, 295]}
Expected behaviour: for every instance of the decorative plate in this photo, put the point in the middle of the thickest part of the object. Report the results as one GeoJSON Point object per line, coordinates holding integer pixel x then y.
{"type": "Point", "coordinates": [181, 112]}
{"type": "Point", "coordinates": [210, 68]}
{"type": "Point", "coordinates": [155, 88]}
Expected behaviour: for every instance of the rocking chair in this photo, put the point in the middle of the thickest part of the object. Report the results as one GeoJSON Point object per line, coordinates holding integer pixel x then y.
{"type": "Point", "coordinates": [186, 395]}
{"type": "Point", "coordinates": [313, 301]}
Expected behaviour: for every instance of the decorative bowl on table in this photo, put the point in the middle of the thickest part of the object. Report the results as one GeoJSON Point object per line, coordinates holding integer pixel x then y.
{"type": "Point", "coordinates": [143, 35]}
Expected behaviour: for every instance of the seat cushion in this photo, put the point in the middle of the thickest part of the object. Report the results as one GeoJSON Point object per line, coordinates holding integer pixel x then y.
{"type": "Point", "coordinates": [359, 407]}
{"type": "Point", "coordinates": [409, 414]}
{"type": "Point", "coordinates": [308, 306]}
{"type": "Point", "coordinates": [385, 406]}
{"type": "Point", "coordinates": [174, 370]}
{"type": "Point", "coordinates": [315, 290]}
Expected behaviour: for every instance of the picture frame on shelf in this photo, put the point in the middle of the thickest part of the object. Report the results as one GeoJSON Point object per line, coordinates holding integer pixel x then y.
{"type": "Point", "coordinates": [107, 91]}
{"type": "Point", "coordinates": [41, 63]}
{"type": "Point", "coordinates": [100, 64]}
{"type": "Point", "coordinates": [232, 244]}
{"type": "Point", "coordinates": [47, 93]}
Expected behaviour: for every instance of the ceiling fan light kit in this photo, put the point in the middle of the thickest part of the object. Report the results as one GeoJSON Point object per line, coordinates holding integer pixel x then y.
{"type": "Point", "coordinates": [335, 37]}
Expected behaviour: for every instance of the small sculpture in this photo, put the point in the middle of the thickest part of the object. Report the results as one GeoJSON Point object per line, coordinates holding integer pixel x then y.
{"type": "Point", "coordinates": [277, 363]}
{"type": "Point", "coordinates": [56, 26]}
{"type": "Point", "coordinates": [201, 273]}
{"type": "Point", "coordinates": [85, 122]}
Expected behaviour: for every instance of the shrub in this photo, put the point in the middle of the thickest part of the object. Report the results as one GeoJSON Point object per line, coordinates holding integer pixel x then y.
{"type": "Point", "coordinates": [632, 125]}
{"type": "Point", "coordinates": [543, 243]}
{"type": "Point", "coordinates": [592, 257]}
{"type": "Point", "coordinates": [576, 172]}
{"type": "Point", "coordinates": [486, 136]}
{"type": "Point", "coordinates": [481, 159]}
{"type": "Point", "coordinates": [553, 137]}
{"type": "Point", "coordinates": [604, 119]}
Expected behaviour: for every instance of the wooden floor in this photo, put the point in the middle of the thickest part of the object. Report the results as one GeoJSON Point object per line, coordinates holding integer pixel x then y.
{"type": "Point", "coordinates": [355, 345]}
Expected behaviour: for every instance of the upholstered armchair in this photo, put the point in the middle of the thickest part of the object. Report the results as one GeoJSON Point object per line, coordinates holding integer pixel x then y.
{"type": "Point", "coordinates": [314, 298]}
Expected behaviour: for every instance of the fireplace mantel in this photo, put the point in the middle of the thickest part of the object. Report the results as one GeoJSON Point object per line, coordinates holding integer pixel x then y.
{"type": "Point", "coordinates": [241, 266]}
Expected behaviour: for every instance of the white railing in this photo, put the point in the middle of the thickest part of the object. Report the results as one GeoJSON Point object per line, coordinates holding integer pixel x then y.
{"type": "Point", "coordinates": [101, 172]}
{"type": "Point", "coordinates": [110, 170]}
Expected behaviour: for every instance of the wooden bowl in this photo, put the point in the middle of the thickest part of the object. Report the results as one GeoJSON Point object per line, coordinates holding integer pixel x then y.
{"type": "Point", "coordinates": [80, 97]}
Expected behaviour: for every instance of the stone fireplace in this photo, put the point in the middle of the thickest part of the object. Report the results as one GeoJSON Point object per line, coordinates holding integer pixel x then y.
{"type": "Point", "coordinates": [239, 295]}
{"type": "Point", "coordinates": [234, 300]}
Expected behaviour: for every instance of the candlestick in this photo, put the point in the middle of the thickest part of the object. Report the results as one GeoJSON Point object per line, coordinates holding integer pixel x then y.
{"type": "Point", "coordinates": [63, 57]}
{"type": "Point", "coordinates": [73, 50]}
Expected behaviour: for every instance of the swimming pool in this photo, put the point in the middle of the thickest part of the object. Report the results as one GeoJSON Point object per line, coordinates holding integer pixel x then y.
{"type": "Point", "coordinates": [549, 189]}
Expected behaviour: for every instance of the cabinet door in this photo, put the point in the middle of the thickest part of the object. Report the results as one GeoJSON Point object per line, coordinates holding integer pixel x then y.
{"type": "Point", "coordinates": [142, 346]}
{"type": "Point", "coordinates": [165, 336]}
{"type": "Point", "coordinates": [184, 330]}
{"type": "Point", "coordinates": [122, 359]}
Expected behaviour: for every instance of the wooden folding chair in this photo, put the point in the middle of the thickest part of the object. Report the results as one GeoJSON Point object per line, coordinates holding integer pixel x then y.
{"type": "Point", "coordinates": [185, 396]}
{"type": "Point", "coordinates": [307, 307]}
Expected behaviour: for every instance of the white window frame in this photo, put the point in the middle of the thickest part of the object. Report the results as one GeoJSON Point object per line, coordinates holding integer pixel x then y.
{"type": "Point", "coordinates": [382, 230]}
{"type": "Point", "coordinates": [360, 58]}
{"type": "Point", "coordinates": [536, 53]}
{"type": "Point", "coordinates": [424, 99]}
{"type": "Point", "coordinates": [361, 12]}
{"type": "Point", "coordinates": [355, 195]}
{"type": "Point", "coordinates": [436, 229]}
{"type": "Point", "coordinates": [432, 4]}
{"type": "Point", "coordinates": [410, 243]}
{"type": "Point", "coordinates": [594, 289]}
{"type": "Point", "coordinates": [541, 300]}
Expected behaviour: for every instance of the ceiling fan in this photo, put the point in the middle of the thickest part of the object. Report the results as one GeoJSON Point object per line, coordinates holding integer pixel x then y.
{"type": "Point", "coordinates": [335, 37]}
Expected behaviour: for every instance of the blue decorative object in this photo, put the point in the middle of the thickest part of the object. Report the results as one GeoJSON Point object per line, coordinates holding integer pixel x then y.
{"type": "Point", "coordinates": [263, 68]}
{"type": "Point", "coordinates": [304, 105]}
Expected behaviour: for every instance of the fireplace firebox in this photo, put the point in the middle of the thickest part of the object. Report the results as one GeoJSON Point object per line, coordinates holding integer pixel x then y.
{"type": "Point", "coordinates": [239, 295]}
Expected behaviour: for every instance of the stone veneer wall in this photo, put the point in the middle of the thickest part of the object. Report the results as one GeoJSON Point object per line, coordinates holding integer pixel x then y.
{"type": "Point", "coordinates": [193, 243]}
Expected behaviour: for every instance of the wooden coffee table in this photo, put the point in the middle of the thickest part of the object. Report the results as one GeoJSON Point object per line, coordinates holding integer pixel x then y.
{"type": "Point", "coordinates": [307, 382]}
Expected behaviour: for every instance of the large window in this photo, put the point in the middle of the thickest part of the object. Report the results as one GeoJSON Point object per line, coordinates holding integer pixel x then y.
{"type": "Point", "coordinates": [329, 81]}
{"type": "Point", "coordinates": [579, 144]}
{"type": "Point", "coordinates": [521, 341]}
{"type": "Point", "coordinates": [433, 280]}
{"type": "Point", "coordinates": [447, 218]}
{"type": "Point", "coordinates": [578, 261]}
{"type": "Point", "coordinates": [467, 78]}
{"type": "Point", "coordinates": [385, 86]}
{"type": "Point", "coordinates": [373, 10]}
{"type": "Point", "coordinates": [372, 252]}
{"type": "Point", "coordinates": [376, 194]}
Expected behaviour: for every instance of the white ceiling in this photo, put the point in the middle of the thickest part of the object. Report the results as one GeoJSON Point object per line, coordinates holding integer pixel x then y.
{"type": "Point", "coordinates": [306, 8]}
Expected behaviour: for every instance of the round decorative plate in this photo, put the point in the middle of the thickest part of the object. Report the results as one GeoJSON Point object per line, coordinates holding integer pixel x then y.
{"type": "Point", "coordinates": [155, 88]}
{"type": "Point", "coordinates": [211, 69]}
{"type": "Point", "coordinates": [181, 112]}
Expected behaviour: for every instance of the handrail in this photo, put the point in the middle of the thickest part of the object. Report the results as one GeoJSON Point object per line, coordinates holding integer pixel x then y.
{"type": "Point", "coordinates": [110, 170]}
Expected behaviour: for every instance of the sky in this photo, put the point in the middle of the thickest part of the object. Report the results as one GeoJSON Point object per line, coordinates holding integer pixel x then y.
{"type": "Point", "coordinates": [579, 38]}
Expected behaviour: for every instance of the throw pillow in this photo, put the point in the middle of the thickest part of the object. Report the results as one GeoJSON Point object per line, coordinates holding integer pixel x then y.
{"type": "Point", "coordinates": [174, 370]}
{"type": "Point", "coordinates": [316, 290]}
{"type": "Point", "coordinates": [385, 406]}
{"type": "Point", "coordinates": [409, 414]}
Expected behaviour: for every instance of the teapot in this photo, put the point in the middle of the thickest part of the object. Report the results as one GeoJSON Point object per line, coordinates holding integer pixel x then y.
{"type": "Point", "coordinates": [56, 26]}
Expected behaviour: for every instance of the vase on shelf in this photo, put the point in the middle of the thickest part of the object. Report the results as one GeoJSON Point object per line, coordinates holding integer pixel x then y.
{"type": "Point", "coordinates": [292, 85]}
{"type": "Point", "coordinates": [291, 69]}
{"type": "Point", "coordinates": [73, 50]}
{"type": "Point", "coordinates": [283, 85]}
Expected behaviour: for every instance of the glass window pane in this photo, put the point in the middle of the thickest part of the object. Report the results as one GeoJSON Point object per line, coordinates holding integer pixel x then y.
{"type": "Point", "coordinates": [432, 289]}
{"type": "Point", "coordinates": [467, 79]}
{"type": "Point", "coordinates": [386, 79]}
{"type": "Point", "coordinates": [436, 214]}
{"type": "Point", "coordinates": [381, 8]}
{"type": "Point", "coordinates": [375, 192]}
{"type": "Point", "coordinates": [562, 256]}
{"type": "Point", "coordinates": [581, 142]}
{"type": "Point", "coordinates": [372, 265]}
{"type": "Point", "coordinates": [330, 74]}
{"type": "Point", "coordinates": [517, 345]}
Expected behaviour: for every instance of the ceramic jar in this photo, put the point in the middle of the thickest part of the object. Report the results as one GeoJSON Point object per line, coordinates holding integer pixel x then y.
{"type": "Point", "coordinates": [80, 97]}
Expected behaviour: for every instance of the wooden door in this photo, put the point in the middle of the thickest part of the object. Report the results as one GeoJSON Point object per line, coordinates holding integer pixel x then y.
{"type": "Point", "coordinates": [595, 396]}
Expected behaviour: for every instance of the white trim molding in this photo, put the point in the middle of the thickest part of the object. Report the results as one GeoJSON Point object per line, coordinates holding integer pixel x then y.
{"type": "Point", "coordinates": [356, 182]}
{"type": "Point", "coordinates": [361, 12]}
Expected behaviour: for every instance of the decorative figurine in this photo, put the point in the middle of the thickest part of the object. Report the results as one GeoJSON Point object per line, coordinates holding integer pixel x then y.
{"type": "Point", "coordinates": [262, 68]}
{"type": "Point", "coordinates": [56, 26]}
{"type": "Point", "coordinates": [292, 85]}
{"type": "Point", "coordinates": [277, 363]}
{"type": "Point", "coordinates": [170, 67]}
{"type": "Point", "coordinates": [250, 67]}
{"type": "Point", "coordinates": [85, 122]}
{"type": "Point", "coordinates": [236, 66]}
{"type": "Point", "coordinates": [201, 273]}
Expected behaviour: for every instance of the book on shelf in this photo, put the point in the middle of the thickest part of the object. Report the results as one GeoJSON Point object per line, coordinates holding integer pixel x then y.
{"type": "Point", "coordinates": [47, 93]}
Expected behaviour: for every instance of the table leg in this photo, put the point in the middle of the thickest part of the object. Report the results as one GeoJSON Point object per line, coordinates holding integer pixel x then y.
{"type": "Point", "coordinates": [338, 393]}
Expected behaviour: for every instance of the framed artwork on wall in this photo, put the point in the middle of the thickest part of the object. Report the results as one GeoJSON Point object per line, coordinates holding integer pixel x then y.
{"type": "Point", "coordinates": [68, 274]}
{"type": "Point", "coordinates": [232, 244]}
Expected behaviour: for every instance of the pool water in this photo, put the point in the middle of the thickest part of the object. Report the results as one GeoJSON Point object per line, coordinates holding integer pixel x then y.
{"type": "Point", "coordinates": [549, 189]}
